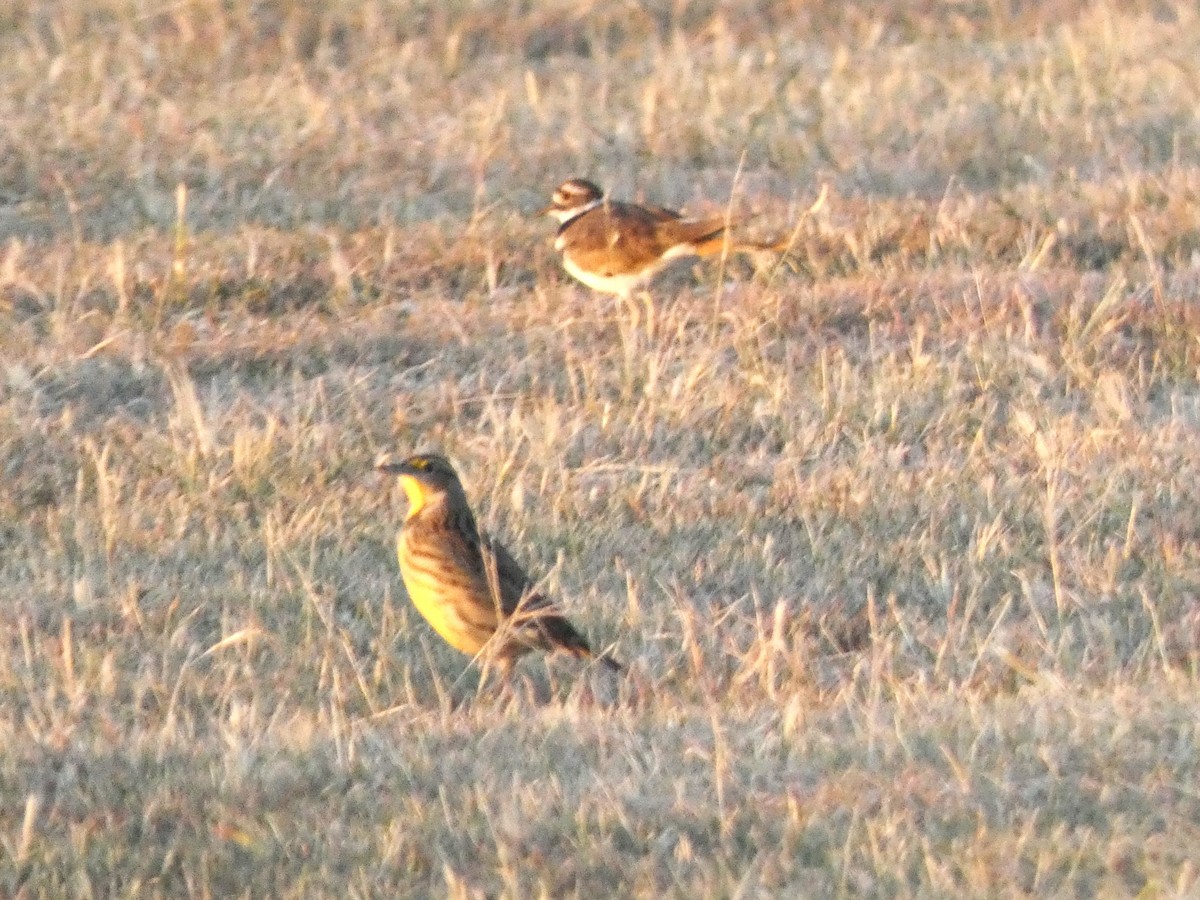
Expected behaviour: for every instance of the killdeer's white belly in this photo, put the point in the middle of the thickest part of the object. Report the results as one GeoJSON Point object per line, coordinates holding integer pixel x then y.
{"type": "Point", "coordinates": [623, 284]}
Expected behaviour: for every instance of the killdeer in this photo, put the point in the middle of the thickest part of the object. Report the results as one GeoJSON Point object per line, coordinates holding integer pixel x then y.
{"type": "Point", "coordinates": [616, 247]}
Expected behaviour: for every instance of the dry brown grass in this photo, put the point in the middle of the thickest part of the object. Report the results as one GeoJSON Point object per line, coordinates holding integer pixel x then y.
{"type": "Point", "coordinates": [899, 539]}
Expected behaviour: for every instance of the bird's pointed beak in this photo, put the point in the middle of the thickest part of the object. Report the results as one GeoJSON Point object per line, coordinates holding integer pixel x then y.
{"type": "Point", "coordinates": [544, 211]}
{"type": "Point", "coordinates": [390, 463]}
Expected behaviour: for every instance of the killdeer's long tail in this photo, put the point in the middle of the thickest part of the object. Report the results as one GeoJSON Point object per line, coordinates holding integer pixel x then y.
{"type": "Point", "coordinates": [715, 243]}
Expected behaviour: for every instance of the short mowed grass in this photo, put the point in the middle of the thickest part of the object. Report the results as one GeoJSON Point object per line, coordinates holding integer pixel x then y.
{"type": "Point", "coordinates": [898, 535]}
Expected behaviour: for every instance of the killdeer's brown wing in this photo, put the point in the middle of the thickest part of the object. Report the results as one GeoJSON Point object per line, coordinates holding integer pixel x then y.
{"type": "Point", "coordinates": [661, 213]}
{"type": "Point", "coordinates": [662, 228]}
{"type": "Point", "coordinates": [699, 236]}
{"type": "Point", "coordinates": [625, 238]}
{"type": "Point", "coordinates": [702, 237]}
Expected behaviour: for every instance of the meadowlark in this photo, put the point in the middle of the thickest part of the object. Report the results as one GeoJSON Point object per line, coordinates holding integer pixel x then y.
{"type": "Point", "coordinates": [466, 585]}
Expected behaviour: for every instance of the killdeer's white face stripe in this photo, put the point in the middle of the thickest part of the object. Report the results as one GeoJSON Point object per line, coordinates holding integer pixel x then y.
{"type": "Point", "coordinates": [566, 214]}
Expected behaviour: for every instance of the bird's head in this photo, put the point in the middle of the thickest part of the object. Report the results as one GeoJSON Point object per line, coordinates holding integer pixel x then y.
{"type": "Point", "coordinates": [427, 478]}
{"type": "Point", "coordinates": [573, 197]}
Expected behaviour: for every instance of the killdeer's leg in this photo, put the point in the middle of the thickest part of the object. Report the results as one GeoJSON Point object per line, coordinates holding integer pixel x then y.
{"type": "Point", "coordinates": [648, 302]}
{"type": "Point", "coordinates": [628, 322]}
{"type": "Point", "coordinates": [635, 314]}
{"type": "Point", "coordinates": [632, 315]}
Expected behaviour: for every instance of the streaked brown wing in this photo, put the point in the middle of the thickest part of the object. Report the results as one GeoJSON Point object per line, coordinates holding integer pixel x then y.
{"type": "Point", "coordinates": [536, 617]}
{"type": "Point", "coordinates": [515, 586]}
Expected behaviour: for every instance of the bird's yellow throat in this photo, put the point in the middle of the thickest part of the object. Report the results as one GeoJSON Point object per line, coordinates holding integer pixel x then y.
{"type": "Point", "coordinates": [415, 493]}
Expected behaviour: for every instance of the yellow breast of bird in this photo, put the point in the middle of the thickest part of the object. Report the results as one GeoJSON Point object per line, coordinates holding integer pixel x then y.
{"type": "Point", "coordinates": [448, 602]}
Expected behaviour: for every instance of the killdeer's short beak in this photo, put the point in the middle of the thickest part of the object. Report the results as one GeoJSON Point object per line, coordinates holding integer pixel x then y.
{"type": "Point", "coordinates": [544, 211]}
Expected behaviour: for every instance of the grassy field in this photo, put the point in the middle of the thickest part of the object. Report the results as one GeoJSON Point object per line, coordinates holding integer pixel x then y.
{"type": "Point", "coordinates": [899, 535]}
